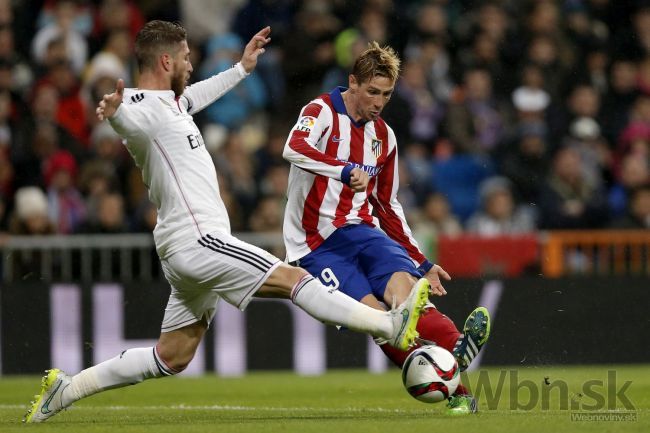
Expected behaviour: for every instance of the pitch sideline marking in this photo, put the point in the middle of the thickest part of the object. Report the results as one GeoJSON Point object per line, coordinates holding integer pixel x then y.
{"type": "Point", "coordinates": [229, 408]}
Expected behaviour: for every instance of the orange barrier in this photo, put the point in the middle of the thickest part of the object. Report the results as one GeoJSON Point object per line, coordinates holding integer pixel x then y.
{"type": "Point", "coordinates": [596, 252]}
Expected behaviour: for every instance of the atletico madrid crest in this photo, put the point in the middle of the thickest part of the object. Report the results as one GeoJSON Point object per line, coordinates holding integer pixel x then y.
{"type": "Point", "coordinates": [376, 147]}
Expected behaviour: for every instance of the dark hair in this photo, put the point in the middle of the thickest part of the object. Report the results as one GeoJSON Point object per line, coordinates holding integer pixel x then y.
{"type": "Point", "coordinates": [155, 38]}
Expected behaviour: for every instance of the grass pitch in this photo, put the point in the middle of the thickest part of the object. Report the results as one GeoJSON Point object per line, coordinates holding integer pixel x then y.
{"type": "Point", "coordinates": [529, 400]}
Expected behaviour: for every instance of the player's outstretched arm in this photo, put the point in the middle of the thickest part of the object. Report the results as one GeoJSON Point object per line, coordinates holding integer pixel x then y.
{"type": "Point", "coordinates": [434, 275]}
{"type": "Point", "coordinates": [111, 102]}
{"type": "Point", "coordinates": [254, 48]}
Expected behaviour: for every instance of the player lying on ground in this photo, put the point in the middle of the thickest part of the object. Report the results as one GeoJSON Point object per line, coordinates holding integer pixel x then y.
{"type": "Point", "coordinates": [343, 185]}
{"type": "Point", "coordinates": [199, 257]}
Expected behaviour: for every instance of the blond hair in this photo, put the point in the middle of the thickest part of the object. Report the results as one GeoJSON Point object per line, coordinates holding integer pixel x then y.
{"type": "Point", "coordinates": [376, 61]}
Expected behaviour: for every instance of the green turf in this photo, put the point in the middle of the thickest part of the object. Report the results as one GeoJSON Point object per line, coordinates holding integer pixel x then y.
{"type": "Point", "coordinates": [341, 401]}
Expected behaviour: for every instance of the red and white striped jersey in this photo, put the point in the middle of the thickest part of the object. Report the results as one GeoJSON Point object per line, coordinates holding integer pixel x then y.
{"type": "Point", "coordinates": [323, 146]}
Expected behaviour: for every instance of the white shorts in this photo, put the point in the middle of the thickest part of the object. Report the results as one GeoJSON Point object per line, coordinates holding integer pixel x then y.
{"type": "Point", "coordinates": [218, 266]}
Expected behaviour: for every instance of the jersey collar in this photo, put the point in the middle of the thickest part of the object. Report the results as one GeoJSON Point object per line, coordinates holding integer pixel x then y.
{"type": "Point", "coordinates": [339, 105]}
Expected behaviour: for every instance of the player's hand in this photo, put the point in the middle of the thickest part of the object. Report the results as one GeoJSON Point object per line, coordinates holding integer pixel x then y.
{"type": "Point", "coordinates": [433, 276]}
{"type": "Point", "coordinates": [358, 180]}
{"type": "Point", "coordinates": [254, 48]}
{"type": "Point", "coordinates": [110, 103]}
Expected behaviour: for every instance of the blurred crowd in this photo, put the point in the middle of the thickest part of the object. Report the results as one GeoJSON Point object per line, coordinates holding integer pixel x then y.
{"type": "Point", "coordinates": [511, 115]}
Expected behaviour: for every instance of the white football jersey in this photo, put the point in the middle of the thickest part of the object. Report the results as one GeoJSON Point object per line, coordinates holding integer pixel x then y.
{"type": "Point", "coordinates": [160, 133]}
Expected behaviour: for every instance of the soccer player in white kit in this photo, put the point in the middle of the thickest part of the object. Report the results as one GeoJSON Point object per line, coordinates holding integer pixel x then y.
{"type": "Point", "coordinates": [201, 260]}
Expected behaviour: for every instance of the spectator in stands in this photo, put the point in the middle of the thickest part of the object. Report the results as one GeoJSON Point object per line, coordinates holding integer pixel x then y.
{"type": "Point", "coordinates": [635, 137]}
{"type": "Point", "coordinates": [20, 73]}
{"type": "Point", "coordinates": [6, 123]}
{"type": "Point", "coordinates": [436, 218]}
{"type": "Point", "coordinates": [114, 60]}
{"type": "Point", "coordinates": [547, 44]}
{"type": "Point", "coordinates": [66, 206]}
{"type": "Point", "coordinates": [6, 171]}
{"type": "Point", "coordinates": [499, 214]}
{"type": "Point", "coordinates": [483, 52]}
{"type": "Point", "coordinates": [275, 181]}
{"type": "Point", "coordinates": [545, 39]}
{"type": "Point", "coordinates": [145, 217]}
{"type": "Point", "coordinates": [458, 176]}
{"type": "Point", "coordinates": [106, 148]}
{"type": "Point", "coordinates": [524, 161]}
{"type": "Point", "coordinates": [76, 47]}
{"type": "Point", "coordinates": [433, 54]}
{"type": "Point", "coordinates": [583, 102]}
{"type": "Point", "coordinates": [416, 160]}
{"type": "Point", "coordinates": [634, 41]}
{"type": "Point", "coordinates": [430, 21]}
{"type": "Point", "coordinates": [268, 215]}
{"type": "Point", "coordinates": [234, 108]}
{"type": "Point", "coordinates": [567, 199]}
{"type": "Point", "coordinates": [115, 15]}
{"type": "Point", "coordinates": [96, 179]}
{"type": "Point", "coordinates": [543, 52]}
{"type": "Point", "coordinates": [619, 98]}
{"type": "Point", "coordinates": [310, 50]}
{"type": "Point", "coordinates": [207, 18]}
{"type": "Point", "coordinates": [476, 122]}
{"type": "Point", "coordinates": [529, 98]}
{"type": "Point", "coordinates": [238, 218]}
{"type": "Point", "coordinates": [638, 216]}
{"type": "Point", "coordinates": [348, 44]}
{"type": "Point", "coordinates": [71, 112]}
{"type": "Point", "coordinates": [595, 153]}
{"type": "Point", "coordinates": [426, 112]}
{"type": "Point", "coordinates": [38, 136]}
{"type": "Point", "coordinates": [234, 163]}
{"type": "Point", "coordinates": [82, 20]}
{"type": "Point", "coordinates": [109, 216]}
{"type": "Point", "coordinates": [491, 43]}
{"type": "Point", "coordinates": [30, 215]}
{"type": "Point", "coordinates": [593, 69]}
{"type": "Point", "coordinates": [635, 172]}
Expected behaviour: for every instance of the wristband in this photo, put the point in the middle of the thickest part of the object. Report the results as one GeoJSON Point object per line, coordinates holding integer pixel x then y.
{"type": "Point", "coordinates": [425, 267]}
{"type": "Point", "coordinates": [345, 174]}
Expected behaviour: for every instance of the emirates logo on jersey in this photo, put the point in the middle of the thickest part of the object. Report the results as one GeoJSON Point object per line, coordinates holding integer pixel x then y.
{"type": "Point", "coordinates": [376, 147]}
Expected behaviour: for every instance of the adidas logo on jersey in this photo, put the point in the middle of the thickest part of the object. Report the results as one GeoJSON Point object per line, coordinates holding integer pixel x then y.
{"type": "Point", "coordinates": [137, 97]}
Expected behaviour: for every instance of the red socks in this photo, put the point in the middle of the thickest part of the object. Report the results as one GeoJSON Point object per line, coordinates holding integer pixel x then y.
{"type": "Point", "coordinates": [433, 326]}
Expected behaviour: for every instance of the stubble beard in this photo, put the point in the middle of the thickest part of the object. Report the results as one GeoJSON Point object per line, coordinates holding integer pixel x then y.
{"type": "Point", "coordinates": [178, 84]}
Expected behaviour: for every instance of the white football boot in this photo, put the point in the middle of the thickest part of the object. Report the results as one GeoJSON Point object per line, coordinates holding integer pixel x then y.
{"type": "Point", "coordinates": [406, 316]}
{"type": "Point", "coordinates": [50, 401]}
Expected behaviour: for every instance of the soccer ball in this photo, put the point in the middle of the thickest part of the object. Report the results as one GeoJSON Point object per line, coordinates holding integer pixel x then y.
{"type": "Point", "coordinates": [430, 374]}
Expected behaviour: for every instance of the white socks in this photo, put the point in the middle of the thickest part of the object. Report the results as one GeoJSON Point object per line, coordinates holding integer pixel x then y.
{"type": "Point", "coordinates": [128, 368]}
{"type": "Point", "coordinates": [135, 365]}
{"type": "Point", "coordinates": [336, 308]}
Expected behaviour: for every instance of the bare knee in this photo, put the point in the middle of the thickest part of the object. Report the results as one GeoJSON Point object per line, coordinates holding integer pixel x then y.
{"type": "Point", "coordinates": [174, 360]}
{"type": "Point", "coordinates": [177, 348]}
{"type": "Point", "coordinates": [398, 287]}
{"type": "Point", "coordinates": [281, 281]}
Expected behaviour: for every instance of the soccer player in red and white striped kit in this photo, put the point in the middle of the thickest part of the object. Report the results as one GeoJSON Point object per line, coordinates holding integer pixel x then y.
{"type": "Point", "coordinates": [343, 222]}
